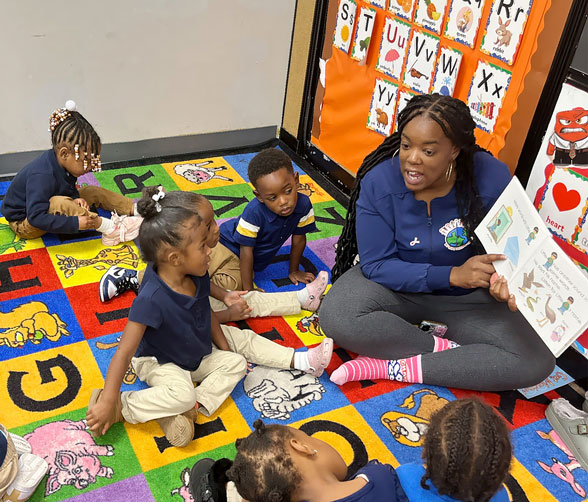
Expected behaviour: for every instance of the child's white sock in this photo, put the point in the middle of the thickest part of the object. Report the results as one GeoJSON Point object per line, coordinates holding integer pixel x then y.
{"type": "Point", "coordinates": [106, 227]}
{"type": "Point", "coordinates": [301, 360]}
{"type": "Point", "coordinates": [302, 295]}
{"type": "Point", "coordinates": [135, 210]}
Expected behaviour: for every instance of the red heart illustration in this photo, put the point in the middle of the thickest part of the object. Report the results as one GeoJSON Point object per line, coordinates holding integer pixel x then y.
{"type": "Point", "coordinates": [565, 199]}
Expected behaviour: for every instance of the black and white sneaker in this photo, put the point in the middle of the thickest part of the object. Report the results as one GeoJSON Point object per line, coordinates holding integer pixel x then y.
{"type": "Point", "coordinates": [116, 281]}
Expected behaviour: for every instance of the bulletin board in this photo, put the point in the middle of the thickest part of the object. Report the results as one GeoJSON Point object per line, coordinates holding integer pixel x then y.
{"type": "Point", "coordinates": [382, 52]}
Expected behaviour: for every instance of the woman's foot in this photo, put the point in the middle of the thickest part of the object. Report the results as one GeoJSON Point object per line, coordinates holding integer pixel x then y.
{"type": "Point", "coordinates": [310, 296]}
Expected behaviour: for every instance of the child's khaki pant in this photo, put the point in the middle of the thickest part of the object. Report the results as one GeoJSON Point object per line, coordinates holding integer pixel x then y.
{"type": "Point", "coordinates": [93, 195]}
{"type": "Point", "coordinates": [9, 467]}
{"type": "Point", "coordinates": [171, 389]}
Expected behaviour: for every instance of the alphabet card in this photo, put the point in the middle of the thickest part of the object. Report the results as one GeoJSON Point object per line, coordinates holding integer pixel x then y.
{"type": "Point", "coordinates": [378, 3]}
{"type": "Point", "coordinates": [344, 26]}
{"type": "Point", "coordinates": [430, 13]}
{"type": "Point", "coordinates": [381, 115]}
{"type": "Point", "coordinates": [463, 21]}
{"type": "Point", "coordinates": [487, 91]}
{"type": "Point", "coordinates": [420, 63]}
{"type": "Point", "coordinates": [402, 8]}
{"type": "Point", "coordinates": [505, 28]}
{"type": "Point", "coordinates": [404, 97]}
{"type": "Point", "coordinates": [363, 33]}
{"type": "Point", "coordinates": [448, 64]}
{"type": "Point", "coordinates": [393, 47]}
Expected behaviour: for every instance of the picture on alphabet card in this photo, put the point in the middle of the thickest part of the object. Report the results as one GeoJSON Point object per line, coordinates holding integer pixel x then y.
{"type": "Point", "coordinates": [363, 34]}
{"type": "Point", "coordinates": [393, 47]}
{"type": "Point", "coordinates": [344, 26]}
{"type": "Point", "coordinates": [558, 184]}
{"type": "Point", "coordinates": [430, 14]}
{"type": "Point", "coordinates": [404, 96]}
{"type": "Point", "coordinates": [463, 21]}
{"type": "Point", "coordinates": [505, 28]}
{"type": "Point", "coordinates": [402, 8]}
{"type": "Point", "coordinates": [379, 3]}
{"type": "Point", "coordinates": [447, 70]}
{"type": "Point", "coordinates": [489, 85]}
{"type": "Point", "coordinates": [549, 289]}
{"type": "Point", "coordinates": [420, 62]}
{"type": "Point", "coordinates": [382, 107]}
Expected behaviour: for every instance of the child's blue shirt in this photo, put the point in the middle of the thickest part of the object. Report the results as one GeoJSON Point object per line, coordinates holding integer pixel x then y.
{"type": "Point", "coordinates": [400, 246]}
{"type": "Point", "coordinates": [266, 231]}
{"type": "Point", "coordinates": [178, 326]}
{"type": "Point", "coordinates": [382, 484]}
{"type": "Point", "coordinates": [29, 193]}
{"type": "Point", "coordinates": [410, 476]}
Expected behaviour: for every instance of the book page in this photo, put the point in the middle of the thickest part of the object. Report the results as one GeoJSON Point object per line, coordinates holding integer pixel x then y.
{"type": "Point", "coordinates": [513, 228]}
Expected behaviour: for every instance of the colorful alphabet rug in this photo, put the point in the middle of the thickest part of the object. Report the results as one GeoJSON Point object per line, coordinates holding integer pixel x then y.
{"type": "Point", "coordinates": [57, 338]}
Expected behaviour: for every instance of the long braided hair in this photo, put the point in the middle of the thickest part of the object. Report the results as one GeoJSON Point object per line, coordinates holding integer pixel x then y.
{"type": "Point", "coordinates": [466, 451]}
{"type": "Point", "coordinates": [454, 118]}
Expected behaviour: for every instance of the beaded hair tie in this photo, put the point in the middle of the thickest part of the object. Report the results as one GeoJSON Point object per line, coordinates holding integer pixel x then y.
{"type": "Point", "coordinates": [61, 114]}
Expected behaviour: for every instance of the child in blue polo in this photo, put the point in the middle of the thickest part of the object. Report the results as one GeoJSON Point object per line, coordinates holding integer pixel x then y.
{"type": "Point", "coordinates": [277, 212]}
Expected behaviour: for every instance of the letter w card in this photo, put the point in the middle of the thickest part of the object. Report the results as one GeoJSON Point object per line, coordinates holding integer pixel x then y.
{"type": "Point", "coordinates": [447, 70]}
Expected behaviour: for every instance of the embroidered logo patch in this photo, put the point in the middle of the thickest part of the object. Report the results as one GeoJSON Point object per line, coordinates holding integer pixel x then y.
{"type": "Point", "coordinates": [455, 236]}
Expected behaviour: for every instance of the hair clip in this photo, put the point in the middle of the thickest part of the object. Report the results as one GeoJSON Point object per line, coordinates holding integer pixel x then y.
{"type": "Point", "coordinates": [157, 197]}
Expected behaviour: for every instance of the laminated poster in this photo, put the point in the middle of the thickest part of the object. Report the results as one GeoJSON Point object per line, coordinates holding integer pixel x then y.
{"type": "Point", "coordinates": [402, 8]}
{"type": "Point", "coordinates": [429, 14]}
{"type": "Point", "coordinates": [363, 34]}
{"type": "Point", "coordinates": [344, 26]}
{"type": "Point", "coordinates": [404, 97]}
{"type": "Point", "coordinates": [463, 21]}
{"type": "Point", "coordinates": [448, 64]}
{"type": "Point", "coordinates": [381, 116]}
{"type": "Point", "coordinates": [558, 378]}
{"type": "Point", "coordinates": [489, 85]}
{"type": "Point", "coordinates": [393, 47]}
{"type": "Point", "coordinates": [378, 3]}
{"type": "Point", "coordinates": [420, 62]}
{"type": "Point", "coordinates": [505, 28]}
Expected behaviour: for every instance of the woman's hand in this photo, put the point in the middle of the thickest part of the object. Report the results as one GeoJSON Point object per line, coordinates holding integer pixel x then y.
{"type": "Point", "coordinates": [476, 272]}
{"type": "Point", "coordinates": [499, 290]}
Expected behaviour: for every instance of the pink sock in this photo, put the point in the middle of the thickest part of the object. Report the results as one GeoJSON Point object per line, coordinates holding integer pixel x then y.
{"type": "Point", "coordinates": [367, 368]}
{"type": "Point", "coordinates": [442, 344]}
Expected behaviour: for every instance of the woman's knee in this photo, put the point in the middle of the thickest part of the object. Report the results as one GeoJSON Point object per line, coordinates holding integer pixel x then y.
{"type": "Point", "coordinates": [539, 365]}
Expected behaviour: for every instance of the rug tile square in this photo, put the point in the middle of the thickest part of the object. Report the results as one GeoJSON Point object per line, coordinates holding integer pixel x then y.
{"type": "Point", "coordinates": [42, 385]}
{"type": "Point", "coordinates": [11, 243]}
{"type": "Point", "coordinates": [204, 173]}
{"type": "Point", "coordinates": [20, 274]}
{"type": "Point", "coordinates": [330, 218]}
{"type": "Point", "coordinates": [131, 180]}
{"type": "Point", "coordinates": [274, 328]}
{"type": "Point", "coordinates": [306, 327]}
{"type": "Point", "coordinates": [240, 163]}
{"type": "Point", "coordinates": [311, 188]}
{"type": "Point", "coordinates": [133, 488]}
{"type": "Point", "coordinates": [228, 201]}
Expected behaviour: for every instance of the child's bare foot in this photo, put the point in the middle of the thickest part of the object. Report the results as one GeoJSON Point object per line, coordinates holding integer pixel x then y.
{"type": "Point", "coordinates": [310, 296]}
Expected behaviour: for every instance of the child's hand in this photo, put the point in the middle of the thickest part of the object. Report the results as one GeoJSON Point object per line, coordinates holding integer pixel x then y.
{"type": "Point", "coordinates": [88, 222]}
{"type": "Point", "coordinates": [239, 311]}
{"type": "Point", "coordinates": [499, 290]}
{"type": "Point", "coordinates": [300, 276]}
{"type": "Point", "coordinates": [232, 297]}
{"type": "Point", "coordinates": [100, 418]}
{"type": "Point", "coordinates": [82, 203]}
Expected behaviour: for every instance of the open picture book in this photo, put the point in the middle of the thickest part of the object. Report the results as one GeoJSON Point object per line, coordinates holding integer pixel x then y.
{"type": "Point", "coordinates": [550, 289]}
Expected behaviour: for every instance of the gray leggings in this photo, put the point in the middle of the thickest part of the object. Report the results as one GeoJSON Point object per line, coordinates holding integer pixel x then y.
{"type": "Point", "coordinates": [499, 349]}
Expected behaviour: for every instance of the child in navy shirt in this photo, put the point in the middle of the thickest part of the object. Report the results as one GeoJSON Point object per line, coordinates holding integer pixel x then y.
{"type": "Point", "coordinates": [43, 196]}
{"type": "Point", "coordinates": [277, 212]}
{"type": "Point", "coordinates": [172, 337]}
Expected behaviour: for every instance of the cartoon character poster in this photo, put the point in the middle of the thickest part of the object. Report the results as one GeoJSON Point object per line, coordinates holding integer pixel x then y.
{"type": "Point", "coordinates": [463, 21]}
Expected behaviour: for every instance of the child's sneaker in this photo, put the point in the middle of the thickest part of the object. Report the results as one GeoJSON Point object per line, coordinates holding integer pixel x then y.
{"type": "Point", "coordinates": [315, 289]}
{"type": "Point", "coordinates": [116, 281]}
{"type": "Point", "coordinates": [208, 480]}
{"type": "Point", "coordinates": [21, 445]}
{"type": "Point", "coordinates": [126, 228]}
{"type": "Point", "coordinates": [31, 471]}
{"type": "Point", "coordinates": [572, 426]}
{"type": "Point", "coordinates": [178, 429]}
{"type": "Point", "coordinates": [319, 357]}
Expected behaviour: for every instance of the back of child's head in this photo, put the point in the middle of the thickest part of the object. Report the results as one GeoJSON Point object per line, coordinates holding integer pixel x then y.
{"type": "Point", "coordinates": [467, 451]}
{"type": "Point", "coordinates": [69, 128]}
{"type": "Point", "coordinates": [263, 470]}
{"type": "Point", "coordinates": [266, 162]}
{"type": "Point", "coordinates": [165, 215]}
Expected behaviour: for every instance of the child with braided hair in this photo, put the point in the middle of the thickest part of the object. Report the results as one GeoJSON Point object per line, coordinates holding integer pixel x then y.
{"type": "Point", "coordinates": [43, 196]}
{"type": "Point", "coordinates": [416, 202]}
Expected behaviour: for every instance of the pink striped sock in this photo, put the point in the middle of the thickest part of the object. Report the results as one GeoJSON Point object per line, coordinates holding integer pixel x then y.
{"type": "Point", "coordinates": [442, 344]}
{"type": "Point", "coordinates": [367, 368]}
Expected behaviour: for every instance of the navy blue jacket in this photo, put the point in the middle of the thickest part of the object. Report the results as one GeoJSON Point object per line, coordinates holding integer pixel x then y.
{"type": "Point", "coordinates": [29, 193]}
{"type": "Point", "coordinates": [400, 246]}
{"type": "Point", "coordinates": [382, 485]}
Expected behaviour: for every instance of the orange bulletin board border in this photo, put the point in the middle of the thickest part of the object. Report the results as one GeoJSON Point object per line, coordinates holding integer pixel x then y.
{"type": "Point", "coordinates": [342, 134]}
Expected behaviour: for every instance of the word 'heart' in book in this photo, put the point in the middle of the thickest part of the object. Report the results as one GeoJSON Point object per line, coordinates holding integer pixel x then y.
{"type": "Point", "coordinates": [565, 199]}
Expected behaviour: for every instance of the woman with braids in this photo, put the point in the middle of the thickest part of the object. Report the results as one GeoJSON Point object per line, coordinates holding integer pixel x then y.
{"type": "Point", "coordinates": [414, 207]}
{"type": "Point", "coordinates": [466, 456]}
{"type": "Point", "coordinates": [43, 196]}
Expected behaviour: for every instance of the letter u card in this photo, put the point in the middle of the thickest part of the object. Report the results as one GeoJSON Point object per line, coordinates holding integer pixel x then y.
{"type": "Point", "coordinates": [344, 26]}
{"type": "Point", "coordinates": [393, 48]}
{"type": "Point", "coordinates": [363, 33]}
{"type": "Point", "coordinates": [381, 115]}
{"type": "Point", "coordinates": [505, 28]}
{"type": "Point", "coordinates": [420, 63]}
{"type": "Point", "coordinates": [402, 8]}
{"type": "Point", "coordinates": [429, 14]}
{"type": "Point", "coordinates": [487, 91]}
{"type": "Point", "coordinates": [463, 21]}
{"type": "Point", "coordinates": [446, 72]}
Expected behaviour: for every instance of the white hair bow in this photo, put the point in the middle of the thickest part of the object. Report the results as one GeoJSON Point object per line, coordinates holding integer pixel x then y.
{"type": "Point", "coordinates": [157, 197]}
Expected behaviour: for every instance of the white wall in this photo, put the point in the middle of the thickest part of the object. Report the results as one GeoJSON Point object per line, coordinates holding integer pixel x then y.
{"type": "Point", "coordinates": [142, 69]}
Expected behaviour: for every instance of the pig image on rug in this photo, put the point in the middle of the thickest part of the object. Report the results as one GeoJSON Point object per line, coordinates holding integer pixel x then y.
{"type": "Point", "coordinates": [71, 453]}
